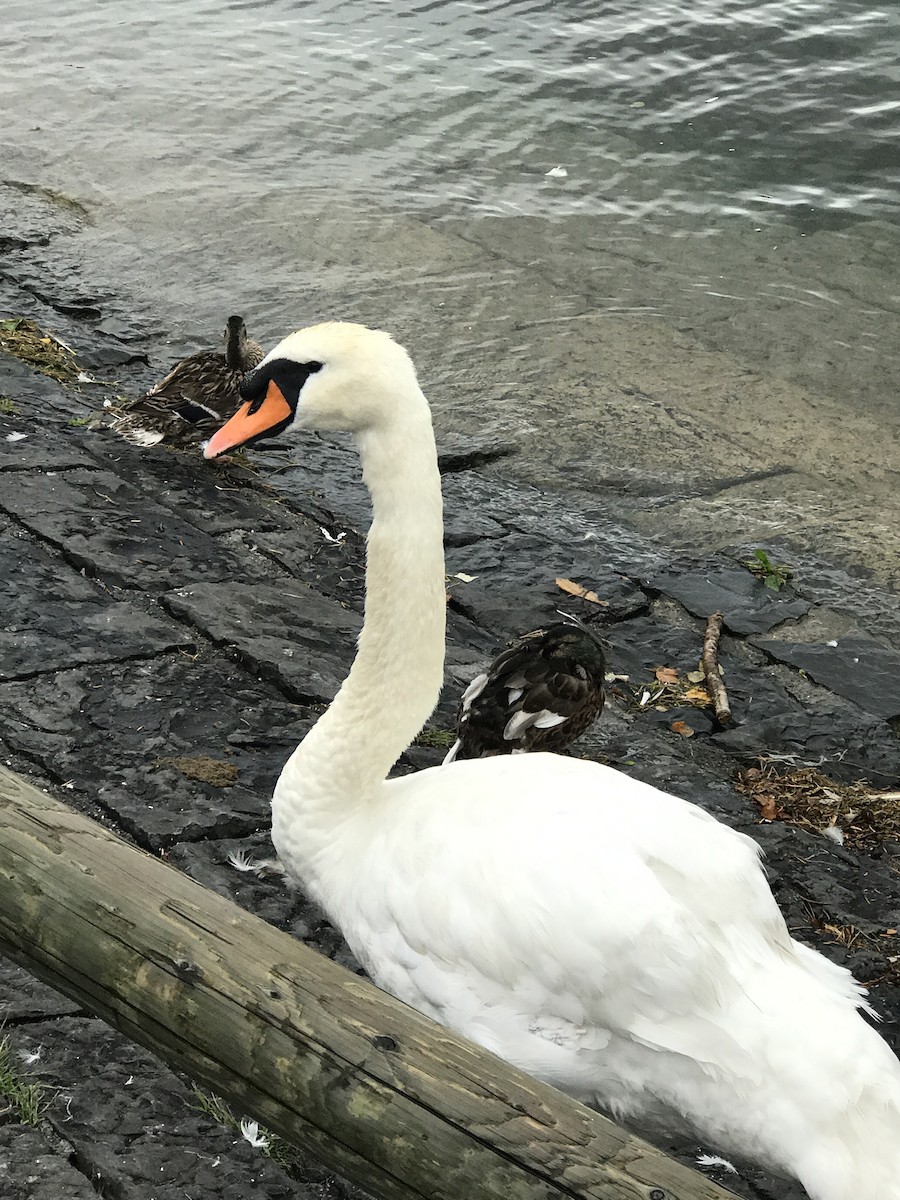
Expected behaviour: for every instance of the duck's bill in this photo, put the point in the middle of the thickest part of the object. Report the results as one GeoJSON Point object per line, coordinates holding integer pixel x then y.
{"type": "Point", "coordinates": [251, 422]}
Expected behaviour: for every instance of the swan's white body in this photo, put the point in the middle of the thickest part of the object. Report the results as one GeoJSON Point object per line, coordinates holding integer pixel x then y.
{"type": "Point", "coordinates": [610, 938]}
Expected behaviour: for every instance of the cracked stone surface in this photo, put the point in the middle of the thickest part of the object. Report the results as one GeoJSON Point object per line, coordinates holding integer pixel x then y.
{"type": "Point", "coordinates": [51, 617]}
{"type": "Point", "coordinates": [133, 1126]}
{"type": "Point", "coordinates": [159, 611]}
{"type": "Point", "coordinates": [287, 633]}
{"type": "Point", "coordinates": [859, 668]}
{"type": "Point", "coordinates": [746, 603]}
{"type": "Point", "coordinates": [33, 1167]}
{"type": "Point", "coordinates": [128, 539]}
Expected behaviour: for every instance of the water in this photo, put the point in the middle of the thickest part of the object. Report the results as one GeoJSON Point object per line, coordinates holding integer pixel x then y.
{"type": "Point", "coordinates": [707, 109]}
{"type": "Point", "coordinates": [732, 173]}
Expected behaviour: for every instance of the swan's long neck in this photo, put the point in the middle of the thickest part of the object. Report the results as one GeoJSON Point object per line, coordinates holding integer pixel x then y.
{"type": "Point", "coordinates": [398, 671]}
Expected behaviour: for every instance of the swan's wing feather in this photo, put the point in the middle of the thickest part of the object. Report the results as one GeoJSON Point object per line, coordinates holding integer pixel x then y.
{"type": "Point", "coordinates": [660, 913]}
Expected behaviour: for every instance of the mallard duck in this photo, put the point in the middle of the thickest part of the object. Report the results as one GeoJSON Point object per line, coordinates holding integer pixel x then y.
{"type": "Point", "coordinates": [196, 396]}
{"type": "Point", "coordinates": [541, 693]}
{"type": "Point", "coordinates": [602, 934]}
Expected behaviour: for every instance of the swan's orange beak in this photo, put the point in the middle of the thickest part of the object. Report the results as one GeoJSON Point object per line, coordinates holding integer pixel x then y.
{"type": "Point", "coordinates": [250, 422]}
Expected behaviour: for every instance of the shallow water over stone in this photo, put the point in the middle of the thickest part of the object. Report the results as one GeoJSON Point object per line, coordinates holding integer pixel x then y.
{"type": "Point", "coordinates": [722, 248]}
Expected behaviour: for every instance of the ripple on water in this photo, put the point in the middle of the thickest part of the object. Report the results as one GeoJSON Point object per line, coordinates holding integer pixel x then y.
{"type": "Point", "coordinates": [653, 107]}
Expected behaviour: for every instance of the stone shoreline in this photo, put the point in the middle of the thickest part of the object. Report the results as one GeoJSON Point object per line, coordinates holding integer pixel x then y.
{"type": "Point", "coordinates": [159, 612]}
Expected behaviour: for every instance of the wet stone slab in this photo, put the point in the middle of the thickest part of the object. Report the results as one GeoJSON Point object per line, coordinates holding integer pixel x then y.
{"type": "Point", "coordinates": [705, 587]}
{"type": "Point", "coordinates": [116, 531]}
{"type": "Point", "coordinates": [24, 998]}
{"type": "Point", "coordinates": [858, 668]}
{"type": "Point", "coordinates": [213, 497]}
{"type": "Point", "coordinates": [136, 738]}
{"type": "Point", "coordinates": [40, 449]}
{"type": "Point", "coordinates": [51, 617]}
{"type": "Point", "coordinates": [41, 400]}
{"type": "Point", "coordinates": [321, 553]}
{"type": "Point", "coordinates": [262, 889]}
{"type": "Point", "coordinates": [847, 743]}
{"type": "Point", "coordinates": [513, 587]}
{"type": "Point", "coordinates": [132, 1128]}
{"type": "Point", "coordinates": [33, 1167]}
{"type": "Point", "coordinates": [288, 633]}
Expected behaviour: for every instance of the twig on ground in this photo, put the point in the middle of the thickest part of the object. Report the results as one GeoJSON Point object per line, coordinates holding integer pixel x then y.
{"type": "Point", "coordinates": [710, 662]}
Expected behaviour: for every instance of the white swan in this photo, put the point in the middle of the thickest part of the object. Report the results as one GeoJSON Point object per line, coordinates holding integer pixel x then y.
{"type": "Point", "coordinates": [610, 938]}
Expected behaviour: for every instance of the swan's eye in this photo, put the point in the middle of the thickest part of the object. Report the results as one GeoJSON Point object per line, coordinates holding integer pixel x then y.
{"type": "Point", "coordinates": [288, 376]}
{"type": "Point", "coordinates": [253, 387]}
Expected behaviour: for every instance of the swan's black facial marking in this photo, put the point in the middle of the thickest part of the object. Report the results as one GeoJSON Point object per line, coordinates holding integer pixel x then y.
{"type": "Point", "coordinates": [271, 394]}
{"type": "Point", "coordinates": [289, 376]}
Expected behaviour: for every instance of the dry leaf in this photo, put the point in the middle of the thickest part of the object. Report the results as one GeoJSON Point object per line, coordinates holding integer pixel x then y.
{"type": "Point", "coordinates": [666, 674]}
{"type": "Point", "coordinates": [575, 589]}
{"type": "Point", "coordinates": [889, 933]}
{"type": "Point", "coordinates": [698, 696]}
{"type": "Point", "coordinates": [696, 676]}
{"type": "Point", "coordinates": [683, 728]}
{"type": "Point", "coordinates": [768, 810]}
{"type": "Point", "coordinates": [464, 577]}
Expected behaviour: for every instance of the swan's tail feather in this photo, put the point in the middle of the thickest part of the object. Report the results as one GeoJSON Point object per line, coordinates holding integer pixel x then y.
{"type": "Point", "coordinates": [842, 1139]}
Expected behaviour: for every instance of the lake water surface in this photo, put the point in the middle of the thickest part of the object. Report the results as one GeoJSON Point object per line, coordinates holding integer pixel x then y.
{"type": "Point", "coordinates": [732, 167]}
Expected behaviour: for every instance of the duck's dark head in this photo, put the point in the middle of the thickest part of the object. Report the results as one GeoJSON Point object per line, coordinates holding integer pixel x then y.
{"type": "Point", "coordinates": [241, 352]}
{"type": "Point", "coordinates": [576, 640]}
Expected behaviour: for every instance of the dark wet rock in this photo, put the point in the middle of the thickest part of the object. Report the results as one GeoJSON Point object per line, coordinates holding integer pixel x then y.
{"type": "Point", "coordinates": [462, 453]}
{"type": "Point", "coordinates": [685, 716]}
{"type": "Point", "coordinates": [213, 498]}
{"type": "Point", "coordinates": [262, 890]}
{"type": "Point", "coordinates": [28, 213]}
{"type": "Point", "coordinates": [297, 476]}
{"type": "Point", "coordinates": [76, 306]}
{"type": "Point", "coordinates": [287, 633]}
{"type": "Point", "coordinates": [847, 743]}
{"type": "Point", "coordinates": [24, 998]}
{"type": "Point", "coordinates": [848, 589]}
{"type": "Point", "coordinates": [328, 557]}
{"type": "Point", "coordinates": [513, 589]}
{"type": "Point", "coordinates": [40, 450]}
{"type": "Point", "coordinates": [32, 1167]}
{"type": "Point", "coordinates": [126, 539]}
{"type": "Point", "coordinates": [51, 617]}
{"type": "Point", "coordinates": [40, 399]}
{"type": "Point", "coordinates": [133, 1129]}
{"type": "Point", "coordinates": [107, 732]}
{"type": "Point", "coordinates": [100, 357]}
{"type": "Point", "coordinates": [858, 668]}
{"type": "Point", "coordinates": [128, 327]}
{"type": "Point", "coordinates": [747, 604]}
{"type": "Point", "coordinates": [18, 243]}
{"type": "Point", "coordinates": [642, 643]}
{"type": "Point", "coordinates": [465, 523]}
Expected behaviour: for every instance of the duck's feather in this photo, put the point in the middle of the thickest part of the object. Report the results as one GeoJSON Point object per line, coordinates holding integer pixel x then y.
{"type": "Point", "coordinates": [190, 402]}
{"type": "Point", "coordinates": [539, 694]}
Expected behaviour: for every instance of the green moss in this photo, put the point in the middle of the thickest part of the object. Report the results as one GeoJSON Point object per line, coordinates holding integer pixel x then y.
{"type": "Point", "coordinates": [24, 1101]}
{"type": "Point", "coordinates": [433, 736]}
{"type": "Point", "coordinates": [58, 199]}
{"type": "Point", "coordinates": [27, 341]}
{"type": "Point", "coordinates": [7, 407]}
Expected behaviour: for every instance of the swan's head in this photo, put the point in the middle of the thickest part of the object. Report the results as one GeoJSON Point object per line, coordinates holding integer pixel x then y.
{"type": "Point", "coordinates": [331, 376]}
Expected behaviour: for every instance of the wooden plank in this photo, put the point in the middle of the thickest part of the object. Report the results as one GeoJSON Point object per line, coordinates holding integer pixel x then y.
{"type": "Point", "coordinates": [376, 1091]}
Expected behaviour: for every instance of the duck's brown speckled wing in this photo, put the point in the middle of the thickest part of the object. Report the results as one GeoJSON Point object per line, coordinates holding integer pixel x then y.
{"type": "Point", "coordinates": [198, 395]}
{"type": "Point", "coordinates": [540, 694]}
